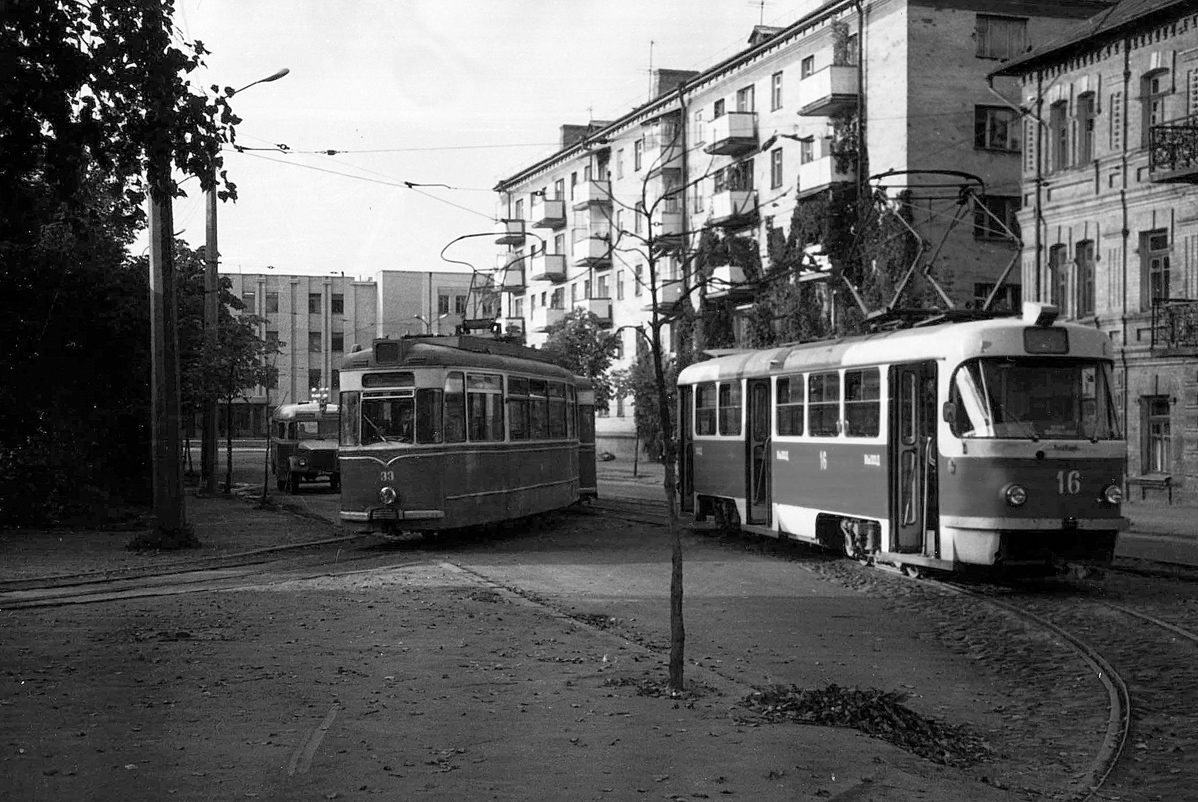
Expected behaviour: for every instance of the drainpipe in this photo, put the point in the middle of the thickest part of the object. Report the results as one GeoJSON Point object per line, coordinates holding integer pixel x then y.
{"type": "Point", "coordinates": [1126, 234]}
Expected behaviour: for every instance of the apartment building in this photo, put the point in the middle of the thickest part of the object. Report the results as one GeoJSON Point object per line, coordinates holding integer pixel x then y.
{"type": "Point", "coordinates": [1110, 214]}
{"type": "Point", "coordinates": [879, 96]}
{"type": "Point", "coordinates": [316, 320]}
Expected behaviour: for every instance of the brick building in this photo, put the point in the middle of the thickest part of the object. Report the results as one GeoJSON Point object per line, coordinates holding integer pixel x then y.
{"type": "Point", "coordinates": [1110, 213]}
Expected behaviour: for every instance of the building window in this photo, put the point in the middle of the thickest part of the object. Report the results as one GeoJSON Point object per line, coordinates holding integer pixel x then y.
{"type": "Point", "coordinates": [619, 285]}
{"type": "Point", "coordinates": [776, 168]}
{"type": "Point", "coordinates": [637, 277]}
{"type": "Point", "coordinates": [442, 304]}
{"type": "Point", "coordinates": [574, 293]}
{"type": "Point", "coordinates": [1157, 437]}
{"type": "Point", "coordinates": [807, 67]}
{"type": "Point", "coordinates": [1153, 90]}
{"type": "Point", "coordinates": [717, 110]}
{"type": "Point", "coordinates": [638, 217]}
{"type": "Point", "coordinates": [806, 150]}
{"type": "Point", "coordinates": [1058, 275]}
{"type": "Point", "coordinates": [314, 377]}
{"type": "Point", "coordinates": [994, 217]}
{"type": "Point", "coordinates": [559, 189]}
{"type": "Point", "coordinates": [519, 210]}
{"type": "Point", "coordinates": [1009, 297]}
{"type": "Point", "coordinates": [247, 298]}
{"type": "Point", "coordinates": [1001, 37]}
{"type": "Point", "coordinates": [459, 304]}
{"type": "Point", "coordinates": [601, 287]}
{"type": "Point", "coordinates": [1058, 127]}
{"type": "Point", "coordinates": [1115, 112]}
{"type": "Point", "coordinates": [1084, 258]}
{"type": "Point", "coordinates": [620, 163]}
{"type": "Point", "coordinates": [272, 341]}
{"type": "Point", "coordinates": [337, 341]}
{"type": "Point", "coordinates": [1154, 256]}
{"type": "Point", "coordinates": [776, 91]}
{"type": "Point", "coordinates": [334, 382]}
{"type": "Point", "coordinates": [337, 304]}
{"type": "Point", "coordinates": [272, 302]}
{"type": "Point", "coordinates": [314, 342]}
{"type": "Point", "coordinates": [517, 307]}
{"type": "Point", "coordinates": [314, 303]}
{"type": "Point", "coordinates": [745, 99]}
{"type": "Point", "coordinates": [995, 128]}
{"type": "Point", "coordinates": [638, 153]}
{"type": "Point", "coordinates": [1085, 127]}
{"type": "Point", "coordinates": [586, 289]}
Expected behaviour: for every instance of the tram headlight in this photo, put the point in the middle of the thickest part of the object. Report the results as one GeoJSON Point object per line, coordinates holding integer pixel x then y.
{"type": "Point", "coordinates": [1112, 494]}
{"type": "Point", "coordinates": [1015, 495]}
{"type": "Point", "coordinates": [387, 495]}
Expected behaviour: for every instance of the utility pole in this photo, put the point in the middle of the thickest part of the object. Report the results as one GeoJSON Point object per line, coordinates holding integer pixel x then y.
{"type": "Point", "coordinates": [212, 315]}
{"type": "Point", "coordinates": [169, 508]}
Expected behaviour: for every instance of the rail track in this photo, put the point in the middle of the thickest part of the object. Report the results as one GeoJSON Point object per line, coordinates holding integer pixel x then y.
{"type": "Point", "coordinates": [1116, 719]}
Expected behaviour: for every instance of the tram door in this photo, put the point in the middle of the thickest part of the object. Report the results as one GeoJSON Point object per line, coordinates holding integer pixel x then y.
{"type": "Point", "coordinates": [758, 496]}
{"type": "Point", "coordinates": [914, 501]}
{"type": "Point", "coordinates": [686, 451]}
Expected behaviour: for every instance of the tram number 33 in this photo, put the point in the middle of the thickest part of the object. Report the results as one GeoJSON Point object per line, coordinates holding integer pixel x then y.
{"type": "Point", "coordinates": [1069, 483]}
{"type": "Point", "coordinates": [386, 476]}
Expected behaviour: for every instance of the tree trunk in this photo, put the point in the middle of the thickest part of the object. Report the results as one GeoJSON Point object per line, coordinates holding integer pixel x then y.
{"type": "Point", "coordinates": [677, 665]}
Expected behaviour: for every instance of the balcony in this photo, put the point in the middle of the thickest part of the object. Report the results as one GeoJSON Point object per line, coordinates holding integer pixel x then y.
{"type": "Point", "coordinates": [668, 295]}
{"type": "Point", "coordinates": [599, 307]}
{"type": "Point", "coordinates": [830, 91]}
{"type": "Point", "coordinates": [1173, 151]}
{"type": "Point", "coordinates": [1175, 326]}
{"type": "Point", "coordinates": [820, 174]}
{"type": "Point", "coordinates": [509, 232]}
{"type": "Point", "coordinates": [545, 316]}
{"type": "Point", "coordinates": [548, 213]}
{"type": "Point", "coordinates": [592, 193]}
{"type": "Point", "coordinates": [592, 250]}
{"type": "Point", "coordinates": [732, 133]}
{"type": "Point", "coordinates": [511, 279]}
{"type": "Point", "coordinates": [733, 208]}
{"type": "Point", "coordinates": [728, 281]}
{"type": "Point", "coordinates": [547, 267]}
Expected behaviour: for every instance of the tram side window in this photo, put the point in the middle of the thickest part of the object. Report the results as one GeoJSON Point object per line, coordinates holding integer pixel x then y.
{"type": "Point", "coordinates": [538, 408]}
{"type": "Point", "coordinates": [429, 428]}
{"type": "Point", "coordinates": [350, 407]}
{"type": "Point", "coordinates": [557, 410]}
{"type": "Point", "coordinates": [862, 402]}
{"type": "Point", "coordinates": [484, 406]}
{"type": "Point", "coordinates": [790, 406]}
{"type": "Point", "coordinates": [517, 391]}
{"type": "Point", "coordinates": [730, 408]}
{"type": "Point", "coordinates": [571, 411]}
{"type": "Point", "coordinates": [455, 407]}
{"type": "Point", "coordinates": [705, 408]}
{"type": "Point", "coordinates": [823, 401]}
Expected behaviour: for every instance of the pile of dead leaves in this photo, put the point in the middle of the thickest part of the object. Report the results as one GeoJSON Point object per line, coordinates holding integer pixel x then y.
{"type": "Point", "coordinates": [880, 714]}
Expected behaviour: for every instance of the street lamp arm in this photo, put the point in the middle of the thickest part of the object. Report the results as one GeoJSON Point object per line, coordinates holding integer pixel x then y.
{"type": "Point", "coordinates": [276, 76]}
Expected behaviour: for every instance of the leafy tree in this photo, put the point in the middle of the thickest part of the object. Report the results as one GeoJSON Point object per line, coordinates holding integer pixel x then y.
{"type": "Point", "coordinates": [578, 343]}
{"type": "Point", "coordinates": [94, 109]}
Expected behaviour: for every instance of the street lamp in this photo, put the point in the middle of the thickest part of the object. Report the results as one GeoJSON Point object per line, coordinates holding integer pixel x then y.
{"type": "Point", "coordinates": [428, 325]}
{"type": "Point", "coordinates": [211, 316]}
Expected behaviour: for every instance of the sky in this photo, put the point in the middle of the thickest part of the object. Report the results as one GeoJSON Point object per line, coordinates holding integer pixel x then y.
{"type": "Point", "coordinates": [453, 93]}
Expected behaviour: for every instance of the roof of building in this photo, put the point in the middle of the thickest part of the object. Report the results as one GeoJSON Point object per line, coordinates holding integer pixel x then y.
{"type": "Point", "coordinates": [1110, 23]}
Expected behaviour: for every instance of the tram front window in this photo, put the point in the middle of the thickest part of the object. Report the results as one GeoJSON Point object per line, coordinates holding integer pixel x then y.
{"type": "Point", "coordinates": [387, 420]}
{"type": "Point", "coordinates": [1055, 399]}
{"type": "Point", "coordinates": [323, 429]}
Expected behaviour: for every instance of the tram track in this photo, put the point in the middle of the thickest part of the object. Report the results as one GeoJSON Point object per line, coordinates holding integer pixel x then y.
{"type": "Point", "coordinates": [1140, 668]}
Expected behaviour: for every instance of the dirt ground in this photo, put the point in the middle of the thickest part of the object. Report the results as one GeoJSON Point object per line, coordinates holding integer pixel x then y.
{"type": "Point", "coordinates": [431, 680]}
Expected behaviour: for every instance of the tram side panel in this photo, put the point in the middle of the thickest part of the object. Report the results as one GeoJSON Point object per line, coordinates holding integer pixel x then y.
{"type": "Point", "coordinates": [719, 472]}
{"type": "Point", "coordinates": [833, 479]}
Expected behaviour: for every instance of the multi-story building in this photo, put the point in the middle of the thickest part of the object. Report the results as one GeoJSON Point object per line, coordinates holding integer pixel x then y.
{"type": "Point", "coordinates": [316, 320]}
{"type": "Point", "coordinates": [1110, 212]}
{"type": "Point", "coordinates": [876, 95]}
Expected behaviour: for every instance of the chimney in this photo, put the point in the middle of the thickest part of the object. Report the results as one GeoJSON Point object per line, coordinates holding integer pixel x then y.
{"type": "Point", "coordinates": [665, 81]}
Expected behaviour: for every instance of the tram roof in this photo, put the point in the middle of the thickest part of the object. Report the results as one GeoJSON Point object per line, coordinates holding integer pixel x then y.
{"type": "Point", "coordinates": [950, 341]}
{"type": "Point", "coordinates": [304, 409]}
{"type": "Point", "coordinates": [462, 352]}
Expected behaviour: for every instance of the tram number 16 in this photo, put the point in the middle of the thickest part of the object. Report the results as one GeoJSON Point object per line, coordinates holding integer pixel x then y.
{"type": "Point", "coordinates": [1069, 483]}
